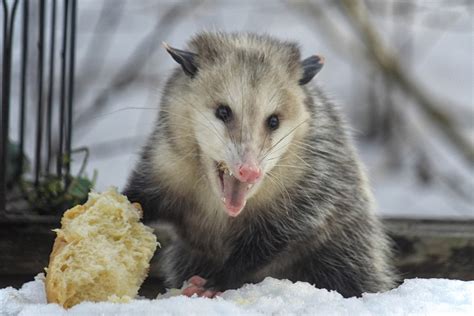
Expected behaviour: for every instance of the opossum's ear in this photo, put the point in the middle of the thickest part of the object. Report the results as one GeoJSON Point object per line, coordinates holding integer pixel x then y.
{"type": "Point", "coordinates": [311, 66]}
{"type": "Point", "coordinates": [187, 60]}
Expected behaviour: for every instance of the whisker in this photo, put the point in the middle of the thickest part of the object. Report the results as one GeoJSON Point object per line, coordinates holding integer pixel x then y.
{"type": "Point", "coordinates": [226, 88]}
{"type": "Point", "coordinates": [241, 110]}
{"type": "Point", "coordinates": [317, 152]}
{"type": "Point", "coordinates": [266, 134]}
{"type": "Point", "coordinates": [121, 110]}
{"type": "Point", "coordinates": [216, 131]}
{"type": "Point", "coordinates": [290, 166]}
{"type": "Point", "coordinates": [272, 177]}
{"type": "Point", "coordinates": [185, 136]}
{"type": "Point", "coordinates": [281, 139]}
{"type": "Point", "coordinates": [215, 128]}
{"type": "Point", "coordinates": [188, 154]}
{"type": "Point", "coordinates": [273, 158]}
{"type": "Point", "coordinates": [200, 123]}
{"type": "Point", "coordinates": [263, 144]}
{"type": "Point", "coordinates": [302, 160]}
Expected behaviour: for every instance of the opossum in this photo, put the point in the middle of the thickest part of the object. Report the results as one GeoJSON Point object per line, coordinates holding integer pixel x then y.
{"type": "Point", "coordinates": [252, 167]}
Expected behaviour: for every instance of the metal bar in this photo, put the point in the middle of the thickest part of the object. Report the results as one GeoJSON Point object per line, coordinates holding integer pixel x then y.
{"type": "Point", "coordinates": [9, 67]}
{"type": "Point", "coordinates": [23, 86]}
{"type": "Point", "coordinates": [72, 49]}
{"type": "Point", "coordinates": [49, 114]}
{"type": "Point", "coordinates": [62, 105]}
{"type": "Point", "coordinates": [5, 113]}
{"type": "Point", "coordinates": [39, 126]}
{"type": "Point", "coordinates": [10, 45]}
{"type": "Point", "coordinates": [5, 24]}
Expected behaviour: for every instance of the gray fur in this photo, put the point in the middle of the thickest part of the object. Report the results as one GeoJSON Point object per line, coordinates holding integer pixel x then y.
{"type": "Point", "coordinates": [317, 225]}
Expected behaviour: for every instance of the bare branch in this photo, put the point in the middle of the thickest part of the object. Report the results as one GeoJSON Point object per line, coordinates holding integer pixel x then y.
{"type": "Point", "coordinates": [139, 58]}
{"type": "Point", "coordinates": [388, 64]}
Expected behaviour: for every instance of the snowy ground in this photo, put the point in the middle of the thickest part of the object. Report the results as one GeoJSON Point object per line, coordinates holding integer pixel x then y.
{"type": "Point", "coordinates": [270, 297]}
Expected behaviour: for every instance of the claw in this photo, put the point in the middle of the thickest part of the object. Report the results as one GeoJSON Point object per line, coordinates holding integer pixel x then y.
{"type": "Point", "coordinates": [222, 166]}
{"type": "Point", "coordinates": [208, 294]}
{"type": "Point", "coordinates": [191, 290]}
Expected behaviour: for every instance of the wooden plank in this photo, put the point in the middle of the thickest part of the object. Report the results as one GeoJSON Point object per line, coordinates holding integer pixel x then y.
{"type": "Point", "coordinates": [25, 247]}
{"type": "Point", "coordinates": [424, 248]}
{"type": "Point", "coordinates": [430, 227]}
{"type": "Point", "coordinates": [433, 248]}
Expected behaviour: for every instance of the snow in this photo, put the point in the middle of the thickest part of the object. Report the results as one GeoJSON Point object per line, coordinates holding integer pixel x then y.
{"type": "Point", "coordinates": [270, 297]}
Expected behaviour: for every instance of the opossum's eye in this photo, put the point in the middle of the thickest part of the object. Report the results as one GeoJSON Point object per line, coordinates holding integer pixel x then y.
{"type": "Point", "coordinates": [224, 113]}
{"type": "Point", "coordinates": [273, 122]}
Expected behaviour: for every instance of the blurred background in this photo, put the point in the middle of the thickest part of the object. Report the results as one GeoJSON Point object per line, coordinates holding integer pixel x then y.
{"type": "Point", "coordinates": [402, 72]}
{"type": "Point", "coordinates": [82, 81]}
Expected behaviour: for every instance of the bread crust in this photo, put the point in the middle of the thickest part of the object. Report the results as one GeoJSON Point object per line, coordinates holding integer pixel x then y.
{"type": "Point", "coordinates": [52, 293]}
{"type": "Point", "coordinates": [80, 267]}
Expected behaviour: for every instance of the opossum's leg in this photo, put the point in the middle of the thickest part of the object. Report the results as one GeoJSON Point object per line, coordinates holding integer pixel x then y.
{"type": "Point", "coordinates": [178, 262]}
{"type": "Point", "coordinates": [341, 269]}
{"type": "Point", "coordinates": [257, 246]}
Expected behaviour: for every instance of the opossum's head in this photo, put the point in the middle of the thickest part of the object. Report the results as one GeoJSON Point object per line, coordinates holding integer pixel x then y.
{"type": "Point", "coordinates": [242, 98]}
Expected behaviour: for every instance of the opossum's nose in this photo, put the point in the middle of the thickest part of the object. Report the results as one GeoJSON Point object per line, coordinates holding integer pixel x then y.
{"type": "Point", "coordinates": [249, 172]}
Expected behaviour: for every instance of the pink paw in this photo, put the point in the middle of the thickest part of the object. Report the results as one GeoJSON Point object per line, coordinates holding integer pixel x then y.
{"type": "Point", "coordinates": [197, 287]}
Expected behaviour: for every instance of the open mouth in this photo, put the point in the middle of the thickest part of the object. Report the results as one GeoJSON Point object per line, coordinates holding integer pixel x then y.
{"type": "Point", "coordinates": [233, 191]}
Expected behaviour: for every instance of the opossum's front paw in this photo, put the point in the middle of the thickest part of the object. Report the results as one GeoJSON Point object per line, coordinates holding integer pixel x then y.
{"type": "Point", "coordinates": [197, 286]}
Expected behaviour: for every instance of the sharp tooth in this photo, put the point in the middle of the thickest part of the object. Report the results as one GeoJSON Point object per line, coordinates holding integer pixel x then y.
{"type": "Point", "coordinates": [222, 167]}
{"type": "Point", "coordinates": [223, 200]}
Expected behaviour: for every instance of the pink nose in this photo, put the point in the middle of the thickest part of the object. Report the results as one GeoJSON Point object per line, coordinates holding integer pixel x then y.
{"type": "Point", "coordinates": [249, 173]}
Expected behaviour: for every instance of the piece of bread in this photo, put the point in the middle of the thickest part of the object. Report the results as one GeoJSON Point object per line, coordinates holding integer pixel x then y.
{"type": "Point", "coordinates": [102, 252]}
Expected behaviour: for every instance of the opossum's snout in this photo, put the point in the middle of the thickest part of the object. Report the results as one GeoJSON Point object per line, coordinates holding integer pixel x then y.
{"type": "Point", "coordinates": [248, 172]}
{"type": "Point", "coordinates": [236, 183]}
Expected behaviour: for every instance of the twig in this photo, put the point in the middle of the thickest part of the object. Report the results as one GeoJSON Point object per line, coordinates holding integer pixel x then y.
{"type": "Point", "coordinates": [390, 67]}
{"type": "Point", "coordinates": [117, 147]}
{"type": "Point", "coordinates": [137, 61]}
{"type": "Point", "coordinates": [99, 45]}
{"type": "Point", "coordinates": [323, 19]}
